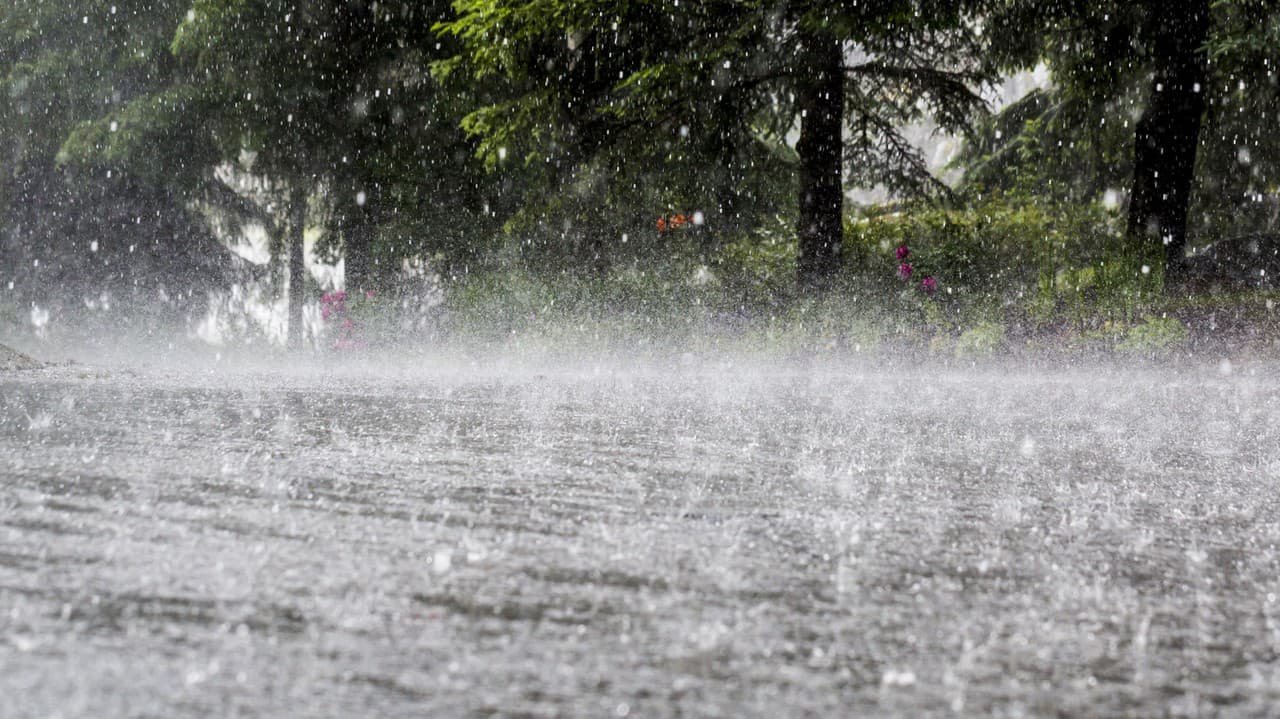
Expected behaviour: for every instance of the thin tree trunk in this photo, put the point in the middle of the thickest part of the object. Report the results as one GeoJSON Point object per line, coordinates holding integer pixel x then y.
{"type": "Point", "coordinates": [359, 227]}
{"type": "Point", "coordinates": [1168, 133]}
{"type": "Point", "coordinates": [297, 262]}
{"type": "Point", "coordinates": [724, 220]}
{"type": "Point", "coordinates": [821, 100]}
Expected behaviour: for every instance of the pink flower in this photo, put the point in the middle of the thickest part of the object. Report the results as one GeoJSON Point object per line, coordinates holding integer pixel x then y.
{"type": "Point", "coordinates": [339, 296]}
{"type": "Point", "coordinates": [929, 285]}
{"type": "Point", "coordinates": [347, 324]}
{"type": "Point", "coordinates": [324, 312]}
{"type": "Point", "coordinates": [903, 252]}
{"type": "Point", "coordinates": [370, 294]}
{"type": "Point", "coordinates": [904, 271]}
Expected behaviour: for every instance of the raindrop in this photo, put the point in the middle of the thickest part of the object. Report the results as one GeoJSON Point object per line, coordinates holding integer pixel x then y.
{"type": "Point", "coordinates": [442, 561]}
{"type": "Point", "coordinates": [894, 678]}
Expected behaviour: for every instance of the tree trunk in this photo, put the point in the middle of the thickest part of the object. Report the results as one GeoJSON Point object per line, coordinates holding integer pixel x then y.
{"type": "Point", "coordinates": [1164, 153]}
{"type": "Point", "coordinates": [297, 262]}
{"type": "Point", "coordinates": [359, 227]}
{"type": "Point", "coordinates": [821, 99]}
{"type": "Point", "coordinates": [724, 221]}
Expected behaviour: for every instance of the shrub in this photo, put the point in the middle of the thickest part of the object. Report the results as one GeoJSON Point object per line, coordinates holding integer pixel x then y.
{"type": "Point", "coordinates": [1156, 337]}
{"type": "Point", "coordinates": [1010, 257]}
{"type": "Point", "coordinates": [759, 268]}
{"type": "Point", "coordinates": [980, 341]}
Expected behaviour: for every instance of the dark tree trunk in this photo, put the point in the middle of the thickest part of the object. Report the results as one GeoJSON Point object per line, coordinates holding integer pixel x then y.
{"type": "Point", "coordinates": [297, 262]}
{"type": "Point", "coordinates": [359, 228]}
{"type": "Point", "coordinates": [724, 221]}
{"type": "Point", "coordinates": [820, 91]}
{"type": "Point", "coordinates": [1167, 134]}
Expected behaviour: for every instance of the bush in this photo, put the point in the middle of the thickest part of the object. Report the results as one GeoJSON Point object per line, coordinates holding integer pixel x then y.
{"type": "Point", "coordinates": [1156, 337]}
{"type": "Point", "coordinates": [1012, 258]}
{"type": "Point", "coordinates": [981, 341]}
{"type": "Point", "coordinates": [759, 268]}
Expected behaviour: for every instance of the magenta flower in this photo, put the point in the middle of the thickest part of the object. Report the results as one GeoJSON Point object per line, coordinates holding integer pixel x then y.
{"type": "Point", "coordinates": [929, 285]}
{"type": "Point", "coordinates": [904, 271]}
{"type": "Point", "coordinates": [903, 252]}
{"type": "Point", "coordinates": [369, 294]}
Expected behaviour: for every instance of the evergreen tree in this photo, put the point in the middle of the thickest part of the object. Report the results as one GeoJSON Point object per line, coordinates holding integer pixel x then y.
{"type": "Point", "coordinates": [1167, 100]}
{"type": "Point", "coordinates": [92, 236]}
{"type": "Point", "coordinates": [331, 104]}
{"type": "Point", "coordinates": [592, 79]}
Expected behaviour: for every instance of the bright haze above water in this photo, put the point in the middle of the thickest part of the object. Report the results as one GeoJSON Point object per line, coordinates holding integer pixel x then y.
{"type": "Point", "coordinates": [732, 538]}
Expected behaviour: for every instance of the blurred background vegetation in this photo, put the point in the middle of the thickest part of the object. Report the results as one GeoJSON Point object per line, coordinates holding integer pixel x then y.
{"type": "Point", "coordinates": [500, 171]}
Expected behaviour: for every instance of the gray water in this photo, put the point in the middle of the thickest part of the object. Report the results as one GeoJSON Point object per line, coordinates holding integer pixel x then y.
{"type": "Point", "coordinates": [657, 541]}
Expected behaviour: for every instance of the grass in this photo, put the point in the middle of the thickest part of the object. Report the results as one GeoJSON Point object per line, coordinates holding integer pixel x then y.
{"type": "Point", "coordinates": [1013, 279]}
{"type": "Point", "coordinates": [697, 309]}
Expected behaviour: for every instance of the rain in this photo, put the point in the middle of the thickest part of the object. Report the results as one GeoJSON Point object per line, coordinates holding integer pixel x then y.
{"type": "Point", "coordinates": [654, 359]}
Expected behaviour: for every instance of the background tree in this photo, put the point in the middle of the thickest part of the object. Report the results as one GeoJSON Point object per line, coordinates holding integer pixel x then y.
{"type": "Point", "coordinates": [330, 103]}
{"type": "Point", "coordinates": [120, 243]}
{"type": "Point", "coordinates": [588, 80]}
{"type": "Point", "coordinates": [1167, 134]}
{"type": "Point", "coordinates": [1164, 100]}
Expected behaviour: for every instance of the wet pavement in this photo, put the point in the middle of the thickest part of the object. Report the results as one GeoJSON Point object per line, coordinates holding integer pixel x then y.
{"type": "Point", "coordinates": [730, 540]}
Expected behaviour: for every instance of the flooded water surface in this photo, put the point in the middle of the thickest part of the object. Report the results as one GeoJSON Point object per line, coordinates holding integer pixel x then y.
{"type": "Point", "coordinates": [721, 541]}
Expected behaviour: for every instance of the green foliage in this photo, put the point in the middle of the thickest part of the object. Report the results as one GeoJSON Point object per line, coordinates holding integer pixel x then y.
{"type": "Point", "coordinates": [64, 65]}
{"type": "Point", "coordinates": [760, 267]}
{"type": "Point", "coordinates": [1155, 337]}
{"type": "Point", "coordinates": [981, 341]}
{"type": "Point", "coordinates": [529, 165]}
{"type": "Point", "coordinates": [1074, 141]}
{"type": "Point", "coordinates": [630, 108]}
{"type": "Point", "coordinates": [1051, 261]}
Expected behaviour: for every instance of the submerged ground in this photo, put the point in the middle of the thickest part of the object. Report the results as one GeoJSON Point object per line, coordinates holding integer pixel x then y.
{"type": "Point", "coordinates": [696, 539]}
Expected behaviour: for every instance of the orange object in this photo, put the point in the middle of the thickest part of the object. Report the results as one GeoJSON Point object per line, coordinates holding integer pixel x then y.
{"type": "Point", "coordinates": [662, 224]}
